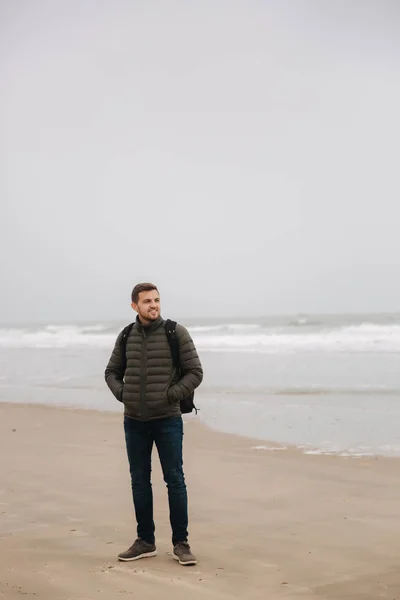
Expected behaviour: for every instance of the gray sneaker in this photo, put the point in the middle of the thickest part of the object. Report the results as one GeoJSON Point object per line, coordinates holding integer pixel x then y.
{"type": "Point", "coordinates": [183, 554]}
{"type": "Point", "coordinates": [139, 549]}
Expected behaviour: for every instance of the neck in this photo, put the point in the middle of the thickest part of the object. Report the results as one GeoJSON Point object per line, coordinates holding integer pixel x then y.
{"type": "Point", "coordinates": [144, 322]}
{"type": "Point", "coordinates": [148, 324]}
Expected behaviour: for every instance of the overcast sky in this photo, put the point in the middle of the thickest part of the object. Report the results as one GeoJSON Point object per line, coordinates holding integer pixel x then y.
{"type": "Point", "coordinates": [243, 155]}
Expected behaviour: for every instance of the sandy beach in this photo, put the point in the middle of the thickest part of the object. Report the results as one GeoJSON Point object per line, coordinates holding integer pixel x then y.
{"type": "Point", "coordinates": [264, 524]}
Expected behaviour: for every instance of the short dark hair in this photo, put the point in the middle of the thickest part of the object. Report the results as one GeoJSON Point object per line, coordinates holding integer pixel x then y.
{"type": "Point", "coordinates": [142, 287]}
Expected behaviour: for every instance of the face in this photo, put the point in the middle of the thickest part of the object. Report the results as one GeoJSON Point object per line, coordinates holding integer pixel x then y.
{"type": "Point", "coordinates": [148, 306]}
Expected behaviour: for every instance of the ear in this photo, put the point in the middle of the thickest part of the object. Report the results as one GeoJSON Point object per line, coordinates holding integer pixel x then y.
{"type": "Point", "coordinates": [135, 307]}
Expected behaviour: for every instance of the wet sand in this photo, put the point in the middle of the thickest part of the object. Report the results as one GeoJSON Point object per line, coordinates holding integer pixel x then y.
{"type": "Point", "coordinates": [264, 524]}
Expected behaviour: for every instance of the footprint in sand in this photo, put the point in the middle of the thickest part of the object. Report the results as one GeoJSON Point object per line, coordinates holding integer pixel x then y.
{"type": "Point", "coordinates": [78, 533]}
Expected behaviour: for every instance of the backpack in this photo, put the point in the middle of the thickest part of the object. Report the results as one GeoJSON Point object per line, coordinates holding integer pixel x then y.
{"type": "Point", "coordinates": [187, 404]}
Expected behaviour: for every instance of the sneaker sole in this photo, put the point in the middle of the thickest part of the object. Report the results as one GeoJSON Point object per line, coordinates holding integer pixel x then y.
{"type": "Point", "coordinates": [187, 563]}
{"type": "Point", "coordinates": [144, 555]}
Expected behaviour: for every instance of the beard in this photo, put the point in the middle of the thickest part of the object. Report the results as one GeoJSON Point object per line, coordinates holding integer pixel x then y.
{"type": "Point", "coordinates": [148, 316]}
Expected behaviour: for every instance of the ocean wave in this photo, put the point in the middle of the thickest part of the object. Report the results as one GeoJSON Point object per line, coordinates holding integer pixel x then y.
{"type": "Point", "coordinates": [57, 336]}
{"type": "Point", "coordinates": [230, 327]}
{"type": "Point", "coordinates": [358, 338]}
{"type": "Point", "coordinates": [304, 322]}
{"type": "Point", "coordinates": [364, 337]}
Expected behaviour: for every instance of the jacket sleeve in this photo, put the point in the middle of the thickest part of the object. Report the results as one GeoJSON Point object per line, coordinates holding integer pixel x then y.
{"type": "Point", "coordinates": [114, 373]}
{"type": "Point", "coordinates": [192, 371]}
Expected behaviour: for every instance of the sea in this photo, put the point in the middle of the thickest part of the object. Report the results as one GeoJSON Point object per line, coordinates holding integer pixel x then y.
{"type": "Point", "coordinates": [328, 384]}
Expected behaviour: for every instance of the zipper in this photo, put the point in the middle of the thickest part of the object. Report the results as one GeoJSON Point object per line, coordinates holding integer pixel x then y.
{"type": "Point", "coordinates": [143, 376]}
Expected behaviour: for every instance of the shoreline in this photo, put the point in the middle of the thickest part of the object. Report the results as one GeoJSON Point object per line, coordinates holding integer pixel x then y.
{"type": "Point", "coordinates": [258, 443]}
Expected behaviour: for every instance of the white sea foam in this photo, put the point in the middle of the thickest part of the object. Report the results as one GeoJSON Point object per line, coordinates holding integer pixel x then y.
{"type": "Point", "coordinates": [269, 448]}
{"type": "Point", "coordinates": [229, 328]}
{"type": "Point", "coordinates": [345, 454]}
{"type": "Point", "coordinates": [56, 336]}
{"type": "Point", "coordinates": [357, 338]}
{"type": "Point", "coordinates": [222, 338]}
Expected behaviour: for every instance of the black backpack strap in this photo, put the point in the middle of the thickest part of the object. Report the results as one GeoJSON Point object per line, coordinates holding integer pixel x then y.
{"type": "Point", "coordinates": [170, 330]}
{"type": "Point", "coordinates": [122, 344]}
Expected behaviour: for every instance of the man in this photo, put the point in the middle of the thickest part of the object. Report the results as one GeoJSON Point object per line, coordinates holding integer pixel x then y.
{"type": "Point", "coordinates": [151, 389]}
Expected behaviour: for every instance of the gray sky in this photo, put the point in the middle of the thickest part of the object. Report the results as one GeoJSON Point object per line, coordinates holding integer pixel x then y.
{"type": "Point", "coordinates": [242, 155]}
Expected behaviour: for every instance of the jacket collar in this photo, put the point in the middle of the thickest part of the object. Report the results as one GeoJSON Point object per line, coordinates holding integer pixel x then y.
{"type": "Point", "coordinates": [151, 326]}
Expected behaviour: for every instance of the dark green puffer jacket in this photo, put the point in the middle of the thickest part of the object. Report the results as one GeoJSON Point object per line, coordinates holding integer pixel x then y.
{"type": "Point", "coordinates": [151, 388]}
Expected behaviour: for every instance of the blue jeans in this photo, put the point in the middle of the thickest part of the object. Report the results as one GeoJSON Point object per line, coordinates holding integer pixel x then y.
{"type": "Point", "coordinates": [167, 434]}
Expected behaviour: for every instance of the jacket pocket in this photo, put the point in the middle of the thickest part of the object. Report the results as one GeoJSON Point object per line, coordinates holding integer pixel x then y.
{"type": "Point", "coordinates": [119, 392]}
{"type": "Point", "coordinates": [171, 394]}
